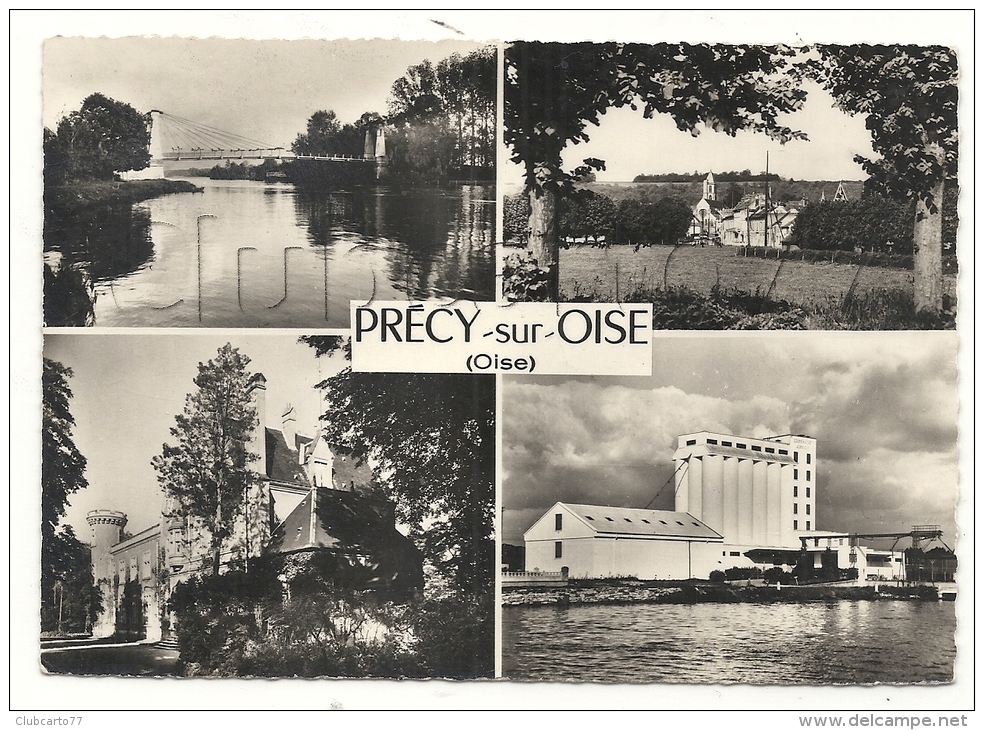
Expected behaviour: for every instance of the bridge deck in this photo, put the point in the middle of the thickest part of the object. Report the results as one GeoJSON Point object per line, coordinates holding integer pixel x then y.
{"type": "Point", "coordinates": [266, 154]}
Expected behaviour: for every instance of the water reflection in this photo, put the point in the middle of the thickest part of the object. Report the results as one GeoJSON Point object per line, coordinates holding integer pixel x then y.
{"type": "Point", "coordinates": [249, 254]}
{"type": "Point", "coordinates": [435, 243]}
{"type": "Point", "coordinates": [110, 241]}
{"type": "Point", "coordinates": [836, 642]}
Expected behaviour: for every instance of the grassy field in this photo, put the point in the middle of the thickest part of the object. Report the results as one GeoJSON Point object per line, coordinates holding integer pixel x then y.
{"type": "Point", "coordinates": [612, 273]}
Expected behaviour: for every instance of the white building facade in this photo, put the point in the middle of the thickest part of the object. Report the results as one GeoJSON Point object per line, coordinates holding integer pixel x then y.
{"type": "Point", "coordinates": [755, 492]}
{"type": "Point", "coordinates": [594, 541]}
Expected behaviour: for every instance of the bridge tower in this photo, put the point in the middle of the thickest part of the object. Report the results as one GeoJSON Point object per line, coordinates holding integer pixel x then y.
{"type": "Point", "coordinates": [381, 160]}
{"type": "Point", "coordinates": [155, 170]}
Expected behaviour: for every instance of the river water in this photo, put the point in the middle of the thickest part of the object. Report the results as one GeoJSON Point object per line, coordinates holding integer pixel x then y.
{"type": "Point", "coordinates": [253, 254]}
{"type": "Point", "coordinates": [838, 642]}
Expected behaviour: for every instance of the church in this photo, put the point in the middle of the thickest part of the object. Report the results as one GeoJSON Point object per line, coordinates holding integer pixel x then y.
{"type": "Point", "coordinates": [310, 496]}
{"type": "Point", "coordinates": [708, 213]}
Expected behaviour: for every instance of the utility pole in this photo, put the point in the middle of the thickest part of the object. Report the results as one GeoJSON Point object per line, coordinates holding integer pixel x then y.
{"type": "Point", "coordinates": [767, 206]}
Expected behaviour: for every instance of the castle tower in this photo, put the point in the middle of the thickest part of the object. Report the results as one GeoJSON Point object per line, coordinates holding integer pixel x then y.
{"type": "Point", "coordinates": [710, 187]}
{"type": "Point", "coordinates": [107, 529]}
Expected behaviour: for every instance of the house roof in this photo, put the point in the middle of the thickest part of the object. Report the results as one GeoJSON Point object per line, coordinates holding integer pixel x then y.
{"type": "Point", "coordinates": [643, 522]}
{"type": "Point", "coordinates": [341, 520]}
{"type": "Point", "coordinates": [281, 461]}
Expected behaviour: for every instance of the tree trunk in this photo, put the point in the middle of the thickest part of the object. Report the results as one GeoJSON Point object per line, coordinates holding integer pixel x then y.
{"type": "Point", "coordinates": [216, 537]}
{"type": "Point", "coordinates": [544, 241]}
{"type": "Point", "coordinates": [927, 240]}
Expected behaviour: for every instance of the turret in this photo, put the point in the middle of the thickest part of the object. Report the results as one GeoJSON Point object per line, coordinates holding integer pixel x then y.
{"type": "Point", "coordinates": [107, 529]}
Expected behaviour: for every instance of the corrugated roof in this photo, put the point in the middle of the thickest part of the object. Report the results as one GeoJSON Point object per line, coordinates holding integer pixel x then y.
{"type": "Point", "coordinates": [647, 522]}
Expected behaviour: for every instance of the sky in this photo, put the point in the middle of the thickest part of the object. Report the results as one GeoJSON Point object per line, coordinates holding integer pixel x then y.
{"type": "Point", "coordinates": [127, 388]}
{"type": "Point", "coordinates": [261, 89]}
{"type": "Point", "coordinates": [631, 145]}
{"type": "Point", "coordinates": [824, 25]}
{"type": "Point", "coordinates": [882, 406]}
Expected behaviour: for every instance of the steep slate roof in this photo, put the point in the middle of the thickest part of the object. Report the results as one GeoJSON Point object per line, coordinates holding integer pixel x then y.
{"type": "Point", "coordinates": [341, 520]}
{"type": "Point", "coordinates": [346, 470]}
{"type": "Point", "coordinates": [647, 522]}
{"type": "Point", "coordinates": [281, 462]}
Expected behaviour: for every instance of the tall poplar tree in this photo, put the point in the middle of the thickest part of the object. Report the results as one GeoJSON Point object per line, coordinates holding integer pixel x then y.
{"type": "Point", "coordinates": [208, 469]}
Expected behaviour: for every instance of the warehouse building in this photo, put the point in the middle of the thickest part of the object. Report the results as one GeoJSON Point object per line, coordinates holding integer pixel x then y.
{"type": "Point", "coordinates": [593, 541]}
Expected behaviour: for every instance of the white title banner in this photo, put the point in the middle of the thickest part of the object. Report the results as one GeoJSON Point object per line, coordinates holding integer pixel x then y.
{"type": "Point", "coordinates": [487, 337]}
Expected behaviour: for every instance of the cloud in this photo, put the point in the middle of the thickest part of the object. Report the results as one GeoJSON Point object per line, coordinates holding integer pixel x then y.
{"type": "Point", "coordinates": [579, 441]}
{"type": "Point", "coordinates": [883, 409]}
{"type": "Point", "coordinates": [907, 407]}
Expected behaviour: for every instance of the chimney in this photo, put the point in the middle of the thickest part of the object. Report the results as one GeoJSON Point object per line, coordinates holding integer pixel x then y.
{"type": "Point", "coordinates": [289, 426]}
{"type": "Point", "coordinates": [257, 443]}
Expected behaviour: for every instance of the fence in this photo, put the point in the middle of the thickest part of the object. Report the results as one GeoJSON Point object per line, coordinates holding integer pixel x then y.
{"type": "Point", "coordinates": [534, 578]}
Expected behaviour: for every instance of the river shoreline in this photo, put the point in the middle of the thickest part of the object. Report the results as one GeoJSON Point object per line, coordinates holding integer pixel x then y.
{"type": "Point", "coordinates": [692, 593]}
{"type": "Point", "coordinates": [77, 196]}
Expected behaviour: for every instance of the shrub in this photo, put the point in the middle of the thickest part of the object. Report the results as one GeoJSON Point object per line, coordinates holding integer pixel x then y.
{"type": "Point", "coordinates": [717, 576]}
{"type": "Point", "coordinates": [239, 625]}
{"type": "Point", "coordinates": [456, 637]}
{"type": "Point", "coordinates": [743, 573]}
{"type": "Point", "coordinates": [523, 280]}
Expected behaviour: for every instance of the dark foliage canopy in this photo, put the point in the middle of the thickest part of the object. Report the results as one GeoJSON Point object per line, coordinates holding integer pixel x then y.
{"type": "Point", "coordinates": [908, 95]}
{"type": "Point", "coordinates": [553, 91]}
{"type": "Point", "coordinates": [67, 599]}
{"type": "Point", "coordinates": [62, 465]}
{"type": "Point", "coordinates": [104, 136]}
{"type": "Point", "coordinates": [431, 439]}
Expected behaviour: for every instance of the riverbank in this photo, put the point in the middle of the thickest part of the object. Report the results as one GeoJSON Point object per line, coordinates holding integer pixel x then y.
{"type": "Point", "coordinates": [700, 592]}
{"type": "Point", "coordinates": [79, 195]}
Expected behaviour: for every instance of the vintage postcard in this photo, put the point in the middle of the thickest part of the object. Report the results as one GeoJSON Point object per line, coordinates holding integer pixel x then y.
{"type": "Point", "coordinates": [360, 348]}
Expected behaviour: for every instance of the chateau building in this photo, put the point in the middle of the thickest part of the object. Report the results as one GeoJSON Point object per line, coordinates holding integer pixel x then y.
{"type": "Point", "coordinates": [310, 496]}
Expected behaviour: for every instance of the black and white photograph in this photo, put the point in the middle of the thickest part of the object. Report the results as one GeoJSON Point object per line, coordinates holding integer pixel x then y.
{"type": "Point", "coordinates": [249, 506]}
{"type": "Point", "coordinates": [759, 511]}
{"type": "Point", "coordinates": [492, 360]}
{"type": "Point", "coordinates": [735, 186]}
{"type": "Point", "coordinates": [236, 183]}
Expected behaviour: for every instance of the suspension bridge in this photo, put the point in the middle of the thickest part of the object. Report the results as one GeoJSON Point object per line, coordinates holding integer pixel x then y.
{"type": "Point", "coordinates": [174, 138]}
